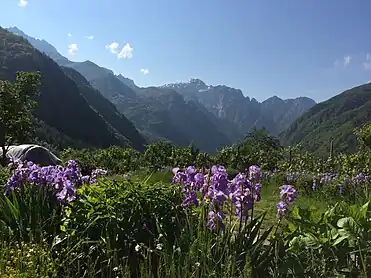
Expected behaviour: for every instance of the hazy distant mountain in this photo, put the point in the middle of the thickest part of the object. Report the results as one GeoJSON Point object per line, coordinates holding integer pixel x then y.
{"type": "Point", "coordinates": [285, 112]}
{"type": "Point", "coordinates": [230, 104]}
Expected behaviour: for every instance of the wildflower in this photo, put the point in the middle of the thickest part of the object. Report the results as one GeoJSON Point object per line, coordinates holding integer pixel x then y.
{"type": "Point", "coordinates": [254, 173]}
{"type": "Point", "coordinates": [341, 188]}
{"type": "Point", "coordinates": [257, 190]}
{"type": "Point", "coordinates": [63, 182]}
{"type": "Point", "coordinates": [191, 198]}
{"type": "Point", "coordinates": [288, 193]}
{"type": "Point", "coordinates": [282, 208]}
{"type": "Point", "coordinates": [314, 184]}
{"type": "Point", "coordinates": [215, 220]}
{"type": "Point", "coordinates": [137, 248]}
{"type": "Point", "coordinates": [199, 180]}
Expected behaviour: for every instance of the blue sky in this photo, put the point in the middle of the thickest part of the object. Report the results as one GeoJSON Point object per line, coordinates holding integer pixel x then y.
{"type": "Point", "coordinates": [287, 48]}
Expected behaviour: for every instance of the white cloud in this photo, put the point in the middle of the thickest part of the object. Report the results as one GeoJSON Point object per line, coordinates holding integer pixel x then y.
{"type": "Point", "coordinates": [89, 37]}
{"type": "Point", "coordinates": [112, 47]}
{"type": "Point", "coordinates": [343, 63]}
{"type": "Point", "coordinates": [144, 71]}
{"type": "Point", "coordinates": [69, 34]}
{"type": "Point", "coordinates": [125, 53]}
{"type": "Point", "coordinates": [72, 49]}
{"type": "Point", "coordinates": [367, 63]}
{"type": "Point", "coordinates": [347, 60]}
{"type": "Point", "coordinates": [22, 3]}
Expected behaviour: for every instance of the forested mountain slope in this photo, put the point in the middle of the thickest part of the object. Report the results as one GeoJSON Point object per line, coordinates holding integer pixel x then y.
{"type": "Point", "coordinates": [61, 105]}
{"type": "Point", "coordinates": [335, 119]}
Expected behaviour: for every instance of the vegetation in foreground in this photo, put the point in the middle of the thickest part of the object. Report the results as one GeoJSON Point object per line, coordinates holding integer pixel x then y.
{"type": "Point", "coordinates": [141, 220]}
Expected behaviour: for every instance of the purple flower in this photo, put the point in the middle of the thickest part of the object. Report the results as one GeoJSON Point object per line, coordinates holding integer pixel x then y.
{"type": "Point", "coordinates": [254, 173]}
{"type": "Point", "coordinates": [63, 182]}
{"type": "Point", "coordinates": [191, 199]}
{"type": "Point", "coordinates": [359, 179]}
{"type": "Point", "coordinates": [199, 181]}
{"type": "Point", "coordinates": [282, 209]}
{"type": "Point", "coordinates": [241, 195]}
{"type": "Point", "coordinates": [95, 174]}
{"type": "Point", "coordinates": [288, 193]}
{"type": "Point", "coordinates": [257, 190]}
{"type": "Point", "coordinates": [179, 177]}
{"type": "Point", "coordinates": [314, 184]}
{"type": "Point", "coordinates": [215, 220]}
{"type": "Point", "coordinates": [215, 189]}
{"type": "Point", "coordinates": [341, 188]}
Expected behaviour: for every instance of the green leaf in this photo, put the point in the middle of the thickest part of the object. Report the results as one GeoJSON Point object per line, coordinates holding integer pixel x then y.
{"type": "Point", "coordinates": [364, 209]}
{"type": "Point", "coordinates": [340, 239]}
{"type": "Point", "coordinates": [295, 213]}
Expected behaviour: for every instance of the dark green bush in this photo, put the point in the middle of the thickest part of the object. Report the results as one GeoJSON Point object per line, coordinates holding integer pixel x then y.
{"type": "Point", "coordinates": [113, 219]}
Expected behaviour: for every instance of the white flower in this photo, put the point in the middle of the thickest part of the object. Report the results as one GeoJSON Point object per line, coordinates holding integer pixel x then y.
{"type": "Point", "coordinates": [137, 248]}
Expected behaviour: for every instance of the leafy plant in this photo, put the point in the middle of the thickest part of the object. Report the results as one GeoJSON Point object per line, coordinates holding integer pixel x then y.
{"type": "Point", "coordinates": [16, 105]}
{"type": "Point", "coordinates": [109, 219]}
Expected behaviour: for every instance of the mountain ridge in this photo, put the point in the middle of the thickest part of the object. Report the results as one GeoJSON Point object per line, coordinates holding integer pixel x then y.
{"type": "Point", "coordinates": [227, 115]}
{"type": "Point", "coordinates": [17, 54]}
{"type": "Point", "coordinates": [332, 120]}
{"type": "Point", "coordinates": [243, 111]}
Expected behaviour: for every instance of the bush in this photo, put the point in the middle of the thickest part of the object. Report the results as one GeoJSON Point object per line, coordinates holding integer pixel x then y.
{"type": "Point", "coordinates": [115, 159]}
{"type": "Point", "coordinates": [26, 260]}
{"type": "Point", "coordinates": [114, 219]}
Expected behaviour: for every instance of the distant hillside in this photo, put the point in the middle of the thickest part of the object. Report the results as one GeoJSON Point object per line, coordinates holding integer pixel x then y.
{"type": "Point", "coordinates": [66, 105]}
{"type": "Point", "coordinates": [334, 119]}
{"type": "Point", "coordinates": [106, 109]}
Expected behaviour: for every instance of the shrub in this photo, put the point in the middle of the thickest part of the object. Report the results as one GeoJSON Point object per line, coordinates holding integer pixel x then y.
{"type": "Point", "coordinates": [113, 219]}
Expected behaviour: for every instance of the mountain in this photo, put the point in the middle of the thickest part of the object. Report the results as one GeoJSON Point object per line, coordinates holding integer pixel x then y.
{"type": "Point", "coordinates": [41, 45]}
{"type": "Point", "coordinates": [68, 106]}
{"type": "Point", "coordinates": [334, 119]}
{"type": "Point", "coordinates": [159, 114]}
{"type": "Point", "coordinates": [106, 109]}
{"type": "Point", "coordinates": [208, 116]}
{"type": "Point", "coordinates": [187, 117]}
{"type": "Point", "coordinates": [231, 105]}
{"type": "Point", "coordinates": [284, 112]}
{"type": "Point", "coordinates": [128, 82]}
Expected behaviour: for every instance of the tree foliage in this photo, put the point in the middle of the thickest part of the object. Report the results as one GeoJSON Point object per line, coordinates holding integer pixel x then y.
{"type": "Point", "coordinates": [332, 121]}
{"type": "Point", "coordinates": [364, 135]}
{"type": "Point", "coordinates": [16, 105]}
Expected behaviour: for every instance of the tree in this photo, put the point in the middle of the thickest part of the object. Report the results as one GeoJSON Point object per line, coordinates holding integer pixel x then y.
{"type": "Point", "coordinates": [158, 154]}
{"type": "Point", "coordinates": [16, 105]}
{"type": "Point", "coordinates": [260, 148]}
{"type": "Point", "coordinates": [364, 135]}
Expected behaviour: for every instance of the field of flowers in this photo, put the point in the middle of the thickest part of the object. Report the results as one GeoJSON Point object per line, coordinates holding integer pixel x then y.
{"type": "Point", "coordinates": [173, 212]}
